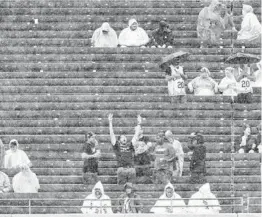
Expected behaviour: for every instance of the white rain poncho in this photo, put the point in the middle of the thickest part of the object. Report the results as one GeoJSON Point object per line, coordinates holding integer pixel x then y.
{"type": "Point", "coordinates": [258, 76]}
{"type": "Point", "coordinates": [228, 85]}
{"type": "Point", "coordinates": [133, 38]}
{"type": "Point", "coordinates": [200, 199]}
{"type": "Point", "coordinates": [92, 205]}
{"type": "Point", "coordinates": [250, 26]}
{"type": "Point", "coordinates": [101, 39]}
{"type": "Point", "coordinates": [14, 159]}
{"type": "Point", "coordinates": [164, 204]}
{"type": "Point", "coordinates": [25, 181]}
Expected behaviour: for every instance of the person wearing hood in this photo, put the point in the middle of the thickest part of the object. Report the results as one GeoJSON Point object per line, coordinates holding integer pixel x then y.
{"type": "Point", "coordinates": [198, 159]}
{"type": "Point", "coordinates": [203, 85]}
{"type": "Point", "coordinates": [25, 181]}
{"type": "Point", "coordinates": [104, 36]}
{"type": "Point", "coordinates": [163, 36]}
{"type": "Point", "coordinates": [258, 76]}
{"type": "Point", "coordinates": [15, 157]}
{"type": "Point", "coordinates": [129, 202]}
{"type": "Point", "coordinates": [97, 202]}
{"type": "Point", "coordinates": [133, 35]}
{"type": "Point", "coordinates": [5, 185]}
{"type": "Point", "coordinates": [204, 201]}
{"type": "Point", "coordinates": [169, 202]}
{"type": "Point", "coordinates": [250, 26]}
{"type": "Point", "coordinates": [228, 85]}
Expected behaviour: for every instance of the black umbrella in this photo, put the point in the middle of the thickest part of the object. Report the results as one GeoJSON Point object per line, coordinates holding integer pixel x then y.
{"type": "Point", "coordinates": [242, 58]}
{"type": "Point", "coordinates": [177, 55]}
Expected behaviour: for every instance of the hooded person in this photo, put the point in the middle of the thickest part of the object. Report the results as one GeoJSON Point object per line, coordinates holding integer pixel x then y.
{"type": "Point", "coordinates": [258, 76]}
{"type": "Point", "coordinates": [97, 202]}
{"type": "Point", "coordinates": [133, 35]}
{"type": "Point", "coordinates": [203, 85]}
{"type": "Point", "coordinates": [163, 36]}
{"type": "Point", "coordinates": [228, 85]}
{"type": "Point", "coordinates": [104, 36]}
{"type": "Point", "coordinates": [25, 181]}
{"type": "Point", "coordinates": [129, 202]}
{"type": "Point", "coordinates": [204, 201]}
{"type": "Point", "coordinates": [169, 202]}
{"type": "Point", "coordinates": [15, 157]}
{"type": "Point", "coordinates": [250, 26]}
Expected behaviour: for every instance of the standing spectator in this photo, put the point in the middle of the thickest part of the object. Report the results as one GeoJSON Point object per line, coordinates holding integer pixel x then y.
{"type": "Point", "coordinates": [210, 23]}
{"type": "Point", "coordinates": [25, 181]}
{"type": "Point", "coordinates": [198, 159]}
{"type": "Point", "coordinates": [228, 84]}
{"type": "Point", "coordinates": [204, 201]}
{"type": "Point", "coordinates": [164, 160]}
{"type": "Point", "coordinates": [163, 36]}
{"type": "Point", "coordinates": [179, 162]}
{"type": "Point", "coordinates": [90, 155]}
{"type": "Point", "coordinates": [203, 85]}
{"type": "Point", "coordinates": [15, 157]}
{"type": "Point", "coordinates": [5, 185]}
{"type": "Point", "coordinates": [170, 202]}
{"type": "Point", "coordinates": [129, 202]}
{"type": "Point", "coordinates": [97, 202]}
{"type": "Point", "coordinates": [104, 36]}
{"type": "Point", "coordinates": [133, 35]}
{"type": "Point", "coordinates": [143, 157]}
{"type": "Point", "coordinates": [227, 19]}
{"type": "Point", "coordinates": [250, 26]}
{"type": "Point", "coordinates": [125, 156]}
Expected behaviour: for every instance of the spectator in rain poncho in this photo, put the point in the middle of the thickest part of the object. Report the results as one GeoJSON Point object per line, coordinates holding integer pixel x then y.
{"type": "Point", "coordinates": [5, 185]}
{"type": "Point", "coordinates": [15, 157]}
{"type": "Point", "coordinates": [97, 202]}
{"type": "Point", "coordinates": [258, 76]}
{"type": "Point", "coordinates": [167, 202]}
{"type": "Point", "coordinates": [228, 85]}
{"type": "Point", "coordinates": [133, 35]}
{"type": "Point", "coordinates": [163, 36]}
{"type": "Point", "coordinates": [250, 26]}
{"type": "Point", "coordinates": [203, 85]}
{"type": "Point", "coordinates": [25, 181]}
{"type": "Point", "coordinates": [200, 199]}
{"type": "Point", "coordinates": [104, 36]}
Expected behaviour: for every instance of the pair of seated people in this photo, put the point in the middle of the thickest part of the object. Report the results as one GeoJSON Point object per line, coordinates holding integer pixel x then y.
{"type": "Point", "coordinates": [202, 202]}
{"type": "Point", "coordinates": [132, 36]}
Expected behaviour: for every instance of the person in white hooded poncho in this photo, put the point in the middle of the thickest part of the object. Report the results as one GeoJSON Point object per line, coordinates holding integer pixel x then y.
{"type": "Point", "coordinates": [250, 26]}
{"type": "Point", "coordinates": [258, 76]}
{"type": "Point", "coordinates": [204, 201]}
{"type": "Point", "coordinates": [133, 35]}
{"type": "Point", "coordinates": [25, 181]}
{"type": "Point", "coordinates": [228, 85]}
{"type": "Point", "coordinates": [169, 202]}
{"type": "Point", "coordinates": [104, 36]}
{"type": "Point", "coordinates": [97, 202]}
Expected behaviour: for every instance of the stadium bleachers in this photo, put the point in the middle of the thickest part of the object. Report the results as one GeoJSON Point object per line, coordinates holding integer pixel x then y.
{"type": "Point", "coordinates": [54, 88]}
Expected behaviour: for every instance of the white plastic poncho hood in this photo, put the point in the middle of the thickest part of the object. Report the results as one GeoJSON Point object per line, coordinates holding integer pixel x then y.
{"type": "Point", "coordinates": [92, 205]}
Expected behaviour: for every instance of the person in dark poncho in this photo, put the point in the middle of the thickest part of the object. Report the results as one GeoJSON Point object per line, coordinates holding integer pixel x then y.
{"type": "Point", "coordinates": [197, 163]}
{"type": "Point", "coordinates": [163, 36]}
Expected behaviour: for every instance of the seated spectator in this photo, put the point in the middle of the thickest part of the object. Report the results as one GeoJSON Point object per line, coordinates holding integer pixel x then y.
{"type": "Point", "coordinates": [250, 26]}
{"type": "Point", "coordinates": [5, 185]}
{"type": "Point", "coordinates": [258, 139]}
{"type": "Point", "coordinates": [124, 154]}
{"type": "Point", "coordinates": [15, 157]}
{"type": "Point", "coordinates": [170, 202]}
{"type": "Point", "coordinates": [142, 157]}
{"type": "Point", "coordinates": [90, 155]}
{"type": "Point", "coordinates": [164, 160]}
{"type": "Point", "coordinates": [227, 19]}
{"type": "Point", "coordinates": [179, 162]}
{"type": "Point", "coordinates": [210, 23]}
{"type": "Point", "coordinates": [198, 159]}
{"type": "Point", "coordinates": [228, 85]}
{"type": "Point", "coordinates": [203, 85]}
{"type": "Point", "coordinates": [258, 76]}
{"type": "Point", "coordinates": [129, 202]}
{"type": "Point", "coordinates": [133, 35]}
{"type": "Point", "coordinates": [163, 36]}
{"type": "Point", "coordinates": [104, 36]}
{"type": "Point", "coordinates": [25, 181]}
{"type": "Point", "coordinates": [204, 201]}
{"type": "Point", "coordinates": [97, 202]}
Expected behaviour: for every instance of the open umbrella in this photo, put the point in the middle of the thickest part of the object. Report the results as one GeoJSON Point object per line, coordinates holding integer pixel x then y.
{"type": "Point", "coordinates": [177, 55]}
{"type": "Point", "coordinates": [242, 58]}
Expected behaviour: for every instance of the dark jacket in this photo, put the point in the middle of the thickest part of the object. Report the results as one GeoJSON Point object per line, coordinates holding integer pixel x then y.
{"type": "Point", "coordinates": [135, 203]}
{"type": "Point", "coordinates": [198, 160]}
